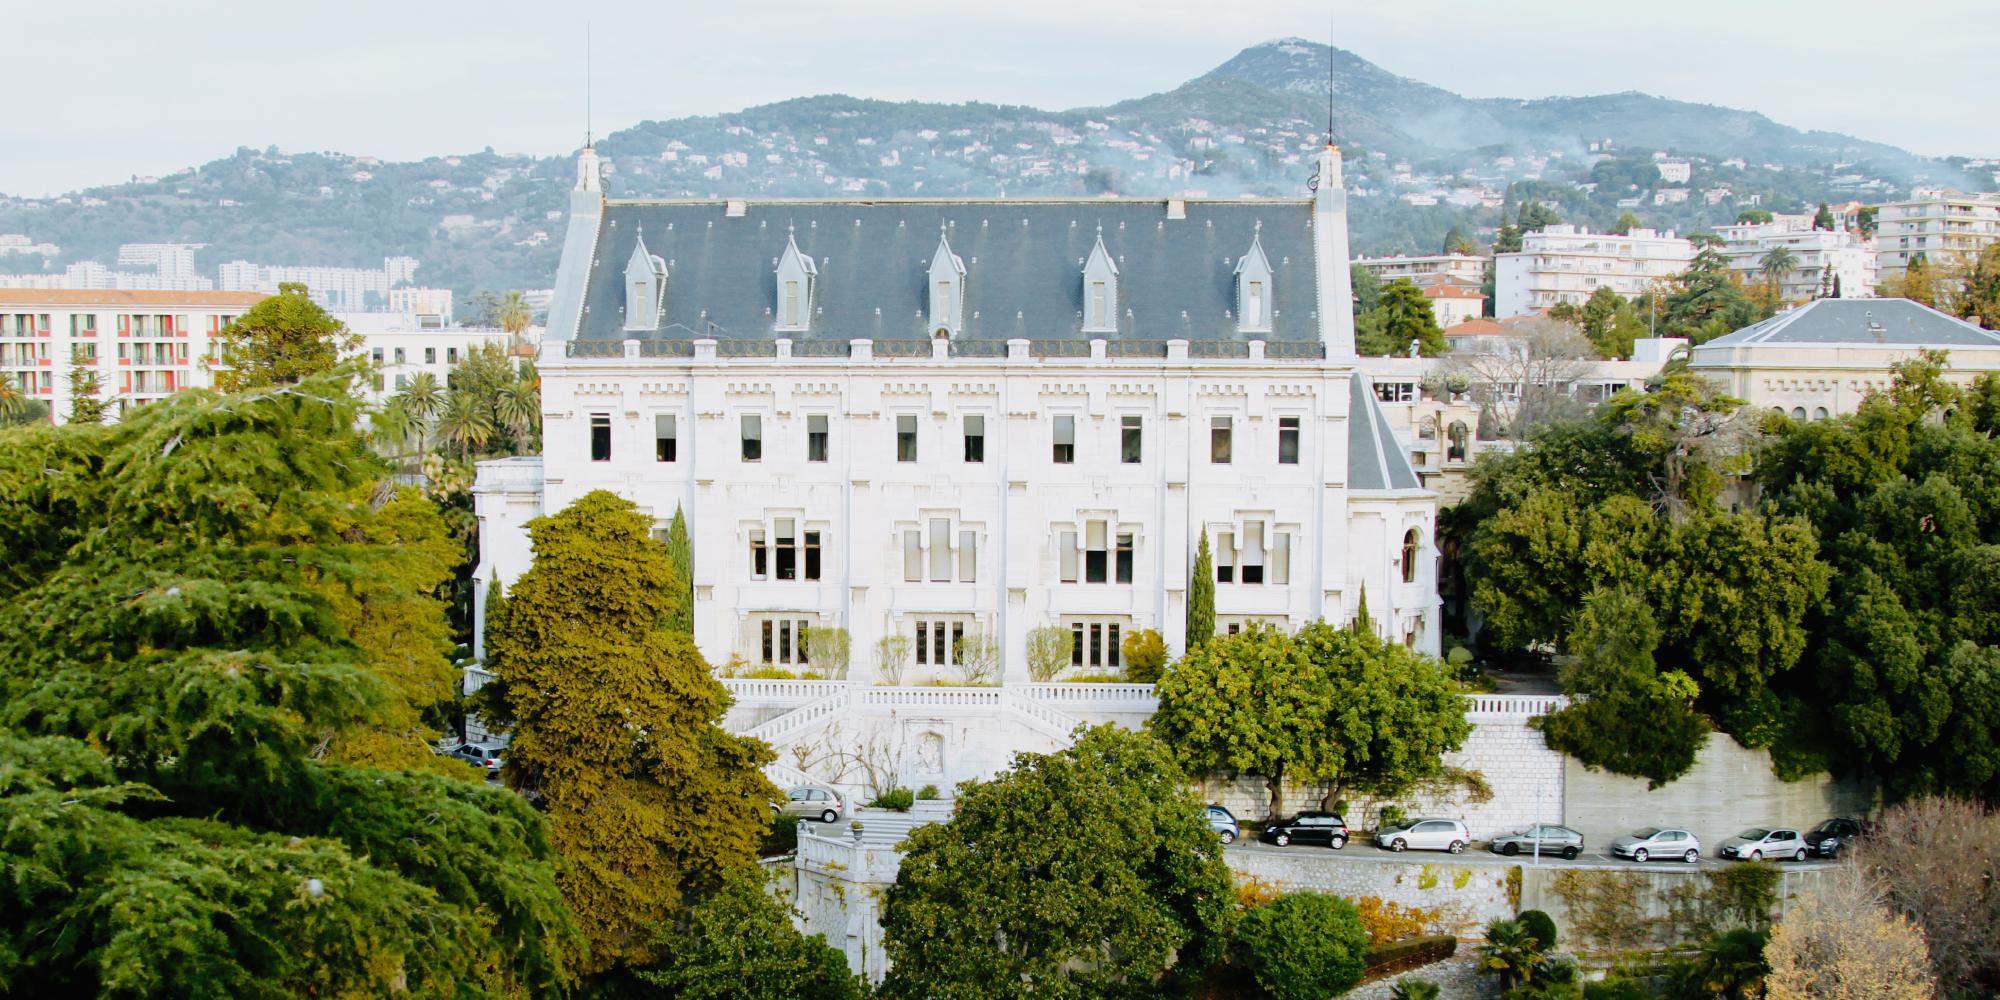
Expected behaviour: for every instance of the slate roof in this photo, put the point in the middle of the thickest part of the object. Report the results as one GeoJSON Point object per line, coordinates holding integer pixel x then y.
{"type": "Point", "coordinates": [1023, 260]}
{"type": "Point", "coordinates": [1862, 322]}
{"type": "Point", "coordinates": [1374, 460]}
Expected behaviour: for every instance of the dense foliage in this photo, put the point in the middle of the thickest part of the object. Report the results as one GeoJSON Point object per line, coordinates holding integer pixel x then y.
{"type": "Point", "coordinates": [1303, 946]}
{"type": "Point", "coordinates": [615, 720]}
{"type": "Point", "coordinates": [1089, 872]}
{"type": "Point", "coordinates": [279, 341]}
{"type": "Point", "coordinates": [1331, 705]}
{"type": "Point", "coordinates": [739, 944]}
{"type": "Point", "coordinates": [191, 618]}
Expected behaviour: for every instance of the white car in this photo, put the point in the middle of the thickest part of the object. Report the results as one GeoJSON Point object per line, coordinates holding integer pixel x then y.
{"type": "Point", "coordinates": [1758, 843]}
{"type": "Point", "coordinates": [1655, 842]}
{"type": "Point", "coordinates": [1426, 835]}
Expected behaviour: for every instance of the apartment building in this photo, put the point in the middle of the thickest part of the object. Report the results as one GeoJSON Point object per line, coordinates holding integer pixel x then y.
{"type": "Point", "coordinates": [145, 345]}
{"type": "Point", "coordinates": [1566, 263]}
{"type": "Point", "coordinates": [1820, 256]}
{"type": "Point", "coordinates": [1938, 225]}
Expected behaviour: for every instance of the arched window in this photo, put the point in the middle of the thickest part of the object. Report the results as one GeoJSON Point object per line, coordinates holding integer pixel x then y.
{"type": "Point", "coordinates": [1798, 413]}
{"type": "Point", "coordinates": [1819, 413]}
{"type": "Point", "coordinates": [1455, 451]}
{"type": "Point", "coordinates": [1411, 542]}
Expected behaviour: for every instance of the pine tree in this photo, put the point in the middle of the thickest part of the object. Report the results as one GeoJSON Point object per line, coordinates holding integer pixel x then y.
{"type": "Point", "coordinates": [1201, 597]}
{"type": "Point", "coordinates": [1823, 219]}
{"type": "Point", "coordinates": [616, 729]}
{"type": "Point", "coordinates": [680, 553]}
{"type": "Point", "coordinates": [85, 407]}
{"type": "Point", "coordinates": [280, 341]}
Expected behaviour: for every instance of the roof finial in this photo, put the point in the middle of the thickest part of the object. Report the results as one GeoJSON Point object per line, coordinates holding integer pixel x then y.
{"type": "Point", "coordinates": [1330, 23]}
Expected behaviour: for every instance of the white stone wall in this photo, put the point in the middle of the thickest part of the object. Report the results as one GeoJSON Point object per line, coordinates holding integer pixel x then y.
{"type": "Point", "coordinates": [1465, 896]}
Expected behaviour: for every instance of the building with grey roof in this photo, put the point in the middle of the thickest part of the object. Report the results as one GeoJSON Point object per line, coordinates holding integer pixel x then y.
{"type": "Point", "coordinates": [946, 426]}
{"type": "Point", "coordinates": [1822, 358]}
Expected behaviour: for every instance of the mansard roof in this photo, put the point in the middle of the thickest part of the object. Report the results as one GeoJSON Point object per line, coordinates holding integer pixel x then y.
{"type": "Point", "coordinates": [1862, 322]}
{"type": "Point", "coordinates": [1374, 460]}
{"type": "Point", "coordinates": [1021, 258]}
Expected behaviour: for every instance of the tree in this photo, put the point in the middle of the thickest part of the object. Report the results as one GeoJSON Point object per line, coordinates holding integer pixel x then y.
{"type": "Point", "coordinates": [828, 650]}
{"type": "Point", "coordinates": [892, 654]}
{"type": "Point", "coordinates": [740, 943]}
{"type": "Point", "coordinates": [1201, 597]}
{"type": "Point", "coordinates": [513, 313]}
{"type": "Point", "coordinates": [680, 558]}
{"type": "Point", "coordinates": [1458, 241]}
{"type": "Point", "coordinates": [1839, 942]}
{"type": "Point", "coordinates": [280, 341]}
{"type": "Point", "coordinates": [1625, 224]}
{"type": "Point", "coordinates": [1367, 289]}
{"type": "Point", "coordinates": [976, 656]}
{"type": "Point", "coordinates": [1145, 655]}
{"type": "Point", "coordinates": [1864, 219]}
{"type": "Point", "coordinates": [1923, 854]}
{"type": "Point", "coordinates": [1303, 946]}
{"type": "Point", "coordinates": [1707, 301]}
{"type": "Point", "coordinates": [1127, 894]}
{"type": "Point", "coordinates": [518, 408]}
{"type": "Point", "coordinates": [1730, 966]}
{"type": "Point", "coordinates": [1402, 317]}
{"type": "Point", "coordinates": [1823, 219]}
{"type": "Point", "coordinates": [481, 310]}
{"type": "Point", "coordinates": [616, 728]}
{"type": "Point", "coordinates": [465, 425]}
{"type": "Point", "coordinates": [1508, 239]}
{"type": "Point", "coordinates": [1536, 215]}
{"type": "Point", "coordinates": [1527, 379]}
{"type": "Point", "coordinates": [422, 399]}
{"type": "Point", "coordinates": [1049, 651]}
{"type": "Point", "coordinates": [1979, 299]}
{"type": "Point", "coordinates": [1628, 718]}
{"type": "Point", "coordinates": [1776, 264]}
{"type": "Point", "coordinates": [1510, 952]}
{"type": "Point", "coordinates": [84, 405]}
{"type": "Point", "coordinates": [182, 640]}
{"type": "Point", "coordinates": [1328, 705]}
{"type": "Point", "coordinates": [1753, 216]}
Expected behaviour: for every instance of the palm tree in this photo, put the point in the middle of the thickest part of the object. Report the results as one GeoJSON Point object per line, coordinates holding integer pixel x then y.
{"type": "Point", "coordinates": [1415, 989]}
{"type": "Point", "coordinates": [515, 314]}
{"type": "Point", "coordinates": [465, 424]}
{"type": "Point", "coordinates": [423, 400]}
{"type": "Point", "coordinates": [1510, 952]}
{"type": "Point", "coordinates": [12, 402]}
{"type": "Point", "coordinates": [393, 426]}
{"type": "Point", "coordinates": [518, 406]}
{"type": "Point", "coordinates": [1777, 263]}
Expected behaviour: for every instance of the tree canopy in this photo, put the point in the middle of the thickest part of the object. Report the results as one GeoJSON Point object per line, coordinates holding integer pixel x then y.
{"type": "Point", "coordinates": [280, 341]}
{"type": "Point", "coordinates": [1401, 316]}
{"type": "Point", "coordinates": [739, 944]}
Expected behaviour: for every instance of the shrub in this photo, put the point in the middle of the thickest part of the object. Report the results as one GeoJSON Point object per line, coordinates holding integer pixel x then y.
{"type": "Point", "coordinates": [1414, 989]}
{"type": "Point", "coordinates": [1410, 953]}
{"type": "Point", "coordinates": [1304, 946]}
{"type": "Point", "coordinates": [1145, 655]}
{"type": "Point", "coordinates": [1541, 926]}
{"type": "Point", "coordinates": [1388, 921]}
{"type": "Point", "coordinates": [927, 793]}
{"type": "Point", "coordinates": [978, 659]}
{"type": "Point", "coordinates": [1253, 892]}
{"type": "Point", "coordinates": [781, 838]}
{"type": "Point", "coordinates": [1510, 952]}
{"type": "Point", "coordinates": [899, 799]}
{"type": "Point", "coordinates": [892, 654]}
{"type": "Point", "coordinates": [827, 651]}
{"type": "Point", "coordinates": [1049, 650]}
{"type": "Point", "coordinates": [1389, 817]}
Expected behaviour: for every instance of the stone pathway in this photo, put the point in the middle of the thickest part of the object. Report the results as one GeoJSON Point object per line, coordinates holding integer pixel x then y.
{"type": "Point", "coordinates": [1458, 977]}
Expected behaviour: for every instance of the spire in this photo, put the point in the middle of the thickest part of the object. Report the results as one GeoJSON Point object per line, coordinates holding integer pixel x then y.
{"type": "Point", "coordinates": [588, 178]}
{"type": "Point", "coordinates": [1329, 80]}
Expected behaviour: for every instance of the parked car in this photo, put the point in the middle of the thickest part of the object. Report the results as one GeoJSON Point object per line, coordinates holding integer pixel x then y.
{"type": "Point", "coordinates": [1832, 836]}
{"type": "Point", "coordinates": [1555, 840]}
{"type": "Point", "coordinates": [1426, 835]}
{"type": "Point", "coordinates": [482, 754]}
{"type": "Point", "coordinates": [1223, 822]}
{"type": "Point", "coordinates": [1758, 843]}
{"type": "Point", "coordinates": [822, 804]}
{"type": "Point", "coordinates": [1309, 828]}
{"type": "Point", "coordinates": [1655, 842]}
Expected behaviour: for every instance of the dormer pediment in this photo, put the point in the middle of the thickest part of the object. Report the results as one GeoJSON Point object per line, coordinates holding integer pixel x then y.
{"type": "Point", "coordinates": [1253, 289]}
{"type": "Point", "coordinates": [946, 290]}
{"type": "Point", "coordinates": [1100, 290]}
{"type": "Point", "coordinates": [797, 274]}
{"type": "Point", "coordinates": [645, 288]}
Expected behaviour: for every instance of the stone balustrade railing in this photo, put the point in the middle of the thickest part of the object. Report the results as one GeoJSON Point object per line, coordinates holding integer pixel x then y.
{"type": "Point", "coordinates": [845, 858]}
{"type": "Point", "coordinates": [781, 691]}
{"type": "Point", "coordinates": [1084, 697]}
{"type": "Point", "coordinates": [1515, 705]}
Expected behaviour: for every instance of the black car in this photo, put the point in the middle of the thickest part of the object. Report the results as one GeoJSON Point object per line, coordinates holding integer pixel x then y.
{"type": "Point", "coordinates": [1308, 828]}
{"type": "Point", "coordinates": [1832, 836]}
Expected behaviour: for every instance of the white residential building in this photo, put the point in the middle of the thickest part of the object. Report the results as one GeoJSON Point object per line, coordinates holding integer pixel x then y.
{"type": "Point", "coordinates": [401, 345]}
{"type": "Point", "coordinates": [1454, 304]}
{"type": "Point", "coordinates": [431, 305]}
{"type": "Point", "coordinates": [1821, 255]}
{"type": "Point", "coordinates": [1674, 171]}
{"type": "Point", "coordinates": [1456, 268]}
{"type": "Point", "coordinates": [950, 420]}
{"type": "Point", "coordinates": [342, 289]}
{"type": "Point", "coordinates": [1940, 225]}
{"type": "Point", "coordinates": [1566, 263]}
{"type": "Point", "coordinates": [145, 345]}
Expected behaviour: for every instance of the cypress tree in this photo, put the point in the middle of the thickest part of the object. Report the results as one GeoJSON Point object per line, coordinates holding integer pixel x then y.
{"type": "Point", "coordinates": [680, 554]}
{"type": "Point", "coordinates": [1201, 598]}
{"type": "Point", "coordinates": [85, 407]}
{"type": "Point", "coordinates": [1363, 624]}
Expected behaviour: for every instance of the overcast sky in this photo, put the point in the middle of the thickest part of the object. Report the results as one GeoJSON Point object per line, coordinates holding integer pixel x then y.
{"type": "Point", "coordinates": [100, 91]}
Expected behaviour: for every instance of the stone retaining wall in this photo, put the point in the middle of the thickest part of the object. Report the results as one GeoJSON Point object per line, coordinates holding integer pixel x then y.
{"type": "Point", "coordinates": [1466, 896]}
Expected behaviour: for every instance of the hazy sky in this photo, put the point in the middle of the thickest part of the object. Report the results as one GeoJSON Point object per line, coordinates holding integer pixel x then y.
{"type": "Point", "coordinates": [100, 91]}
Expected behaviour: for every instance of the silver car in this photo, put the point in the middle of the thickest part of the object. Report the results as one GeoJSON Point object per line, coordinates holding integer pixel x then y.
{"type": "Point", "coordinates": [1544, 839]}
{"type": "Point", "coordinates": [808, 802]}
{"type": "Point", "coordinates": [1655, 842]}
{"type": "Point", "coordinates": [1426, 835]}
{"type": "Point", "coordinates": [481, 755]}
{"type": "Point", "coordinates": [1758, 843]}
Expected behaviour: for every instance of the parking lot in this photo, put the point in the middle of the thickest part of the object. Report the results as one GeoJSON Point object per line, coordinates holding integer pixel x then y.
{"type": "Point", "coordinates": [1363, 851]}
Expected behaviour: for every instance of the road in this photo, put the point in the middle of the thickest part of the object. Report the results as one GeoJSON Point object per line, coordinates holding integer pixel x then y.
{"type": "Point", "coordinates": [1364, 852]}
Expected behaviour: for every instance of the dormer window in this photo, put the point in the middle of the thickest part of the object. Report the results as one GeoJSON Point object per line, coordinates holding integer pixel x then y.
{"type": "Point", "coordinates": [645, 289]}
{"type": "Point", "coordinates": [1253, 290]}
{"type": "Point", "coordinates": [796, 277]}
{"type": "Point", "coordinates": [947, 288]}
{"type": "Point", "coordinates": [1100, 291]}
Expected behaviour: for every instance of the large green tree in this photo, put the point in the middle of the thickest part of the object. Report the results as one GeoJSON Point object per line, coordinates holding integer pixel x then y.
{"type": "Point", "coordinates": [280, 341]}
{"type": "Point", "coordinates": [1201, 597]}
{"type": "Point", "coordinates": [1303, 946]}
{"type": "Point", "coordinates": [182, 619]}
{"type": "Point", "coordinates": [86, 406]}
{"type": "Point", "coordinates": [1401, 317]}
{"type": "Point", "coordinates": [739, 944]}
{"type": "Point", "coordinates": [1088, 872]}
{"type": "Point", "coordinates": [1628, 716]}
{"type": "Point", "coordinates": [615, 717]}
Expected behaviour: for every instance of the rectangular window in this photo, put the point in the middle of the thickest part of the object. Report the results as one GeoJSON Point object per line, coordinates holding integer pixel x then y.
{"type": "Point", "coordinates": [812, 555]}
{"type": "Point", "coordinates": [1111, 645]}
{"type": "Point", "coordinates": [1096, 654]}
{"type": "Point", "coordinates": [1225, 557]}
{"type": "Point", "coordinates": [913, 556]}
{"type": "Point", "coordinates": [430, 355]}
{"type": "Point", "coordinates": [600, 433]}
{"type": "Point", "coordinates": [1288, 440]}
{"type": "Point", "coordinates": [975, 438]}
{"type": "Point", "coordinates": [1281, 557]}
{"type": "Point", "coordinates": [923, 643]}
{"type": "Point", "coordinates": [1220, 433]}
{"type": "Point", "coordinates": [399, 355]}
{"type": "Point", "coordinates": [906, 438]}
{"type": "Point", "coordinates": [938, 647]}
{"type": "Point", "coordinates": [1066, 555]}
{"type": "Point", "coordinates": [1124, 561]}
{"type": "Point", "coordinates": [767, 647]}
{"type": "Point", "coordinates": [666, 440]}
{"type": "Point", "coordinates": [1076, 644]}
{"type": "Point", "coordinates": [785, 530]}
{"type": "Point", "coordinates": [1096, 560]}
{"type": "Point", "coordinates": [1065, 438]}
{"type": "Point", "coordinates": [1098, 296]}
{"type": "Point", "coordinates": [1253, 304]}
{"type": "Point", "coordinates": [753, 437]}
{"type": "Point", "coordinates": [950, 653]}
{"type": "Point", "coordinates": [816, 437]}
{"type": "Point", "coordinates": [940, 550]}
{"type": "Point", "coordinates": [784, 641]}
{"type": "Point", "coordinates": [791, 303]}
{"type": "Point", "coordinates": [759, 567]}
{"type": "Point", "coordinates": [375, 355]}
{"type": "Point", "coordinates": [968, 557]}
{"type": "Point", "coordinates": [1251, 567]}
{"type": "Point", "coordinates": [451, 355]}
{"type": "Point", "coordinates": [1131, 446]}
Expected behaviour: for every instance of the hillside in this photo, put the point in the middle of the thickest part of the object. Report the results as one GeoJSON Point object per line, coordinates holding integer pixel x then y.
{"type": "Point", "coordinates": [1421, 160]}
